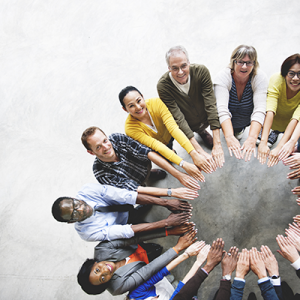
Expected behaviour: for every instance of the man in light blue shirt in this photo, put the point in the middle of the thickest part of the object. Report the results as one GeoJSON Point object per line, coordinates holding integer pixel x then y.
{"type": "Point", "coordinates": [93, 225]}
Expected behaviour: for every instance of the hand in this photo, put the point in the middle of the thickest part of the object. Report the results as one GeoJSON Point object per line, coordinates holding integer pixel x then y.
{"type": "Point", "coordinates": [229, 261]}
{"type": "Point", "coordinates": [298, 201]}
{"type": "Point", "coordinates": [193, 171]}
{"type": "Point", "coordinates": [273, 157]}
{"type": "Point", "coordinates": [297, 218]}
{"type": "Point", "coordinates": [243, 264]}
{"type": "Point", "coordinates": [177, 219]}
{"type": "Point", "coordinates": [270, 261]}
{"type": "Point", "coordinates": [248, 148]}
{"type": "Point", "coordinates": [257, 264]}
{"type": "Point", "coordinates": [286, 150]}
{"type": "Point", "coordinates": [175, 205]}
{"type": "Point", "coordinates": [293, 161]}
{"type": "Point", "coordinates": [294, 175]}
{"type": "Point", "coordinates": [186, 240]}
{"type": "Point", "coordinates": [181, 229]}
{"type": "Point", "coordinates": [210, 159]}
{"type": "Point", "coordinates": [218, 155]}
{"type": "Point", "coordinates": [263, 152]}
{"type": "Point", "coordinates": [296, 190]}
{"type": "Point", "coordinates": [202, 255]}
{"type": "Point", "coordinates": [234, 146]}
{"type": "Point", "coordinates": [194, 249]}
{"type": "Point", "coordinates": [185, 193]}
{"type": "Point", "coordinates": [214, 256]}
{"type": "Point", "coordinates": [188, 181]}
{"type": "Point", "coordinates": [287, 249]}
{"type": "Point", "coordinates": [294, 237]}
{"type": "Point", "coordinates": [201, 162]}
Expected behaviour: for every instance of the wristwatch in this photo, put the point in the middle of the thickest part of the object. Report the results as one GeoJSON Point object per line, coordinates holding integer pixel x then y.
{"type": "Point", "coordinates": [169, 192]}
{"type": "Point", "coordinates": [275, 277]}
{"type": "Point", "coordinates": [227, 277]}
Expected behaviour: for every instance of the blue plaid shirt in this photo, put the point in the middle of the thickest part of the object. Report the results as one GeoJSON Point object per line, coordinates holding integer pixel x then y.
{"type": "Point", "coordinates": [128, 173]}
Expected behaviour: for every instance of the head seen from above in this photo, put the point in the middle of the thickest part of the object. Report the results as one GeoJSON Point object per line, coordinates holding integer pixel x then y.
{"type": "Point", "coordinates": [133, 102]}
{"type": "Point", "coordinates": [70, 210]}
{"type": "Point", "coordinates": [93, 276]}
{"type": "Point", "coordinates": [290, 70]}
{"type": "Point", "coordinates": [97, 143]}
{"type": "Point", "coordinates": [178, 63]}
{"type": "Point", "coordinates": [243, 62]}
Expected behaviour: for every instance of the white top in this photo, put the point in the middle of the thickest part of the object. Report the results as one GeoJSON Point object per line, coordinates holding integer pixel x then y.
{"type": "Point", "coordinates": [222, 87]}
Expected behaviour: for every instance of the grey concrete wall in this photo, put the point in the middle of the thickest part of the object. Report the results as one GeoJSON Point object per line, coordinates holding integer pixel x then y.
{"type": "Point", "coordinates": [62, 65]}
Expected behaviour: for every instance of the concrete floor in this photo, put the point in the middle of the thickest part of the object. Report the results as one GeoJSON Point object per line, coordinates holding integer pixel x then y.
{"type": "Point", "coordinates": [62, 65]}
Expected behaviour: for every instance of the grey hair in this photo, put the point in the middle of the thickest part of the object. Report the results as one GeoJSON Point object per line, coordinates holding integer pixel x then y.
{"type": "Point", "coordinates": [176, 49]}
{"type": "Point", "coordinates": [240, 52]}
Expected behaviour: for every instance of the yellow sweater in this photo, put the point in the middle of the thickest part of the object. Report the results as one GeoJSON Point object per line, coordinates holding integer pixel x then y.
{"type": "Point", "coordinates": [166, 127]}
{"type": "Point", "coordinates": [284, 109]}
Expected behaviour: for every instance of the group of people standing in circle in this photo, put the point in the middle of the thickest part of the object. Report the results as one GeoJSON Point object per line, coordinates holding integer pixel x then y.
{"type": "Point", "coordinates": [189, 101]}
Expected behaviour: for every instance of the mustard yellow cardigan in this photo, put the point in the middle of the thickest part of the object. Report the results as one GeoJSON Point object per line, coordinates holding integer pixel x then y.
{"type": "Point", "coordinates": [166, 127]}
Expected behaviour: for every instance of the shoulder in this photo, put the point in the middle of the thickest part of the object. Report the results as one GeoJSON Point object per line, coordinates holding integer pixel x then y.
{"type": "Point", "coordinates": [165, 79]}
{"type": "Point", "coordinates": [276, 79]}
{"type": "Point", "coordinates": [223, 77]}
{"type": "Point", "coordinates": [260, 79]}
{"type": "Point", "coordinates": [198, 69]}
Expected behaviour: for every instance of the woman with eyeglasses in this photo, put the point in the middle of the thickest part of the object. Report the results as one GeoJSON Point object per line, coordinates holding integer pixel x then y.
{"type": "Point", "coordinates": [283, 113]}
{"type": "Point", "coordinates": [241, 92]}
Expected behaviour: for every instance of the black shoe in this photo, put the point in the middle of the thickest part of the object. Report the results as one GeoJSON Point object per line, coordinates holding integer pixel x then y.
{"type": "Point", "coordinates": [252, 296]}
{"type": "Point", "coordinates": [153, 250]}
{"type": "Point", "coordinates": [273, 136]}
{"type": "Point", "coordinates": [157, 174]}
{"type": "Point", "coordinates": [287, 292]}
{"type": "Point", "coordinates": [207, 138]}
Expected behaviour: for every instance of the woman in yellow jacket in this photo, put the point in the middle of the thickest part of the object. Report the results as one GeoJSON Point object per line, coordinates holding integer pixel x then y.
{"type": "Point", "coordinates": [151, 123]}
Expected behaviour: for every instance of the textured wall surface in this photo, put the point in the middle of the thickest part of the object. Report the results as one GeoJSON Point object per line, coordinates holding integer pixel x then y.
{"type": "Point", "coordinates": [62, 65]}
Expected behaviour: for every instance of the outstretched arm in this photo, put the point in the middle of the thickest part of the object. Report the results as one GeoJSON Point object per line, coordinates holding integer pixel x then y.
{"type": "Point", "coordinates": [183, 178]}
{"type": "Point", "coordinates": [217, 150]}
{"type": "Point", "coordinates": [172, 220]}
{"type": "Point", "coordinates": [249, 145]}
{"type": "Point", "coordinates": [171, 204]}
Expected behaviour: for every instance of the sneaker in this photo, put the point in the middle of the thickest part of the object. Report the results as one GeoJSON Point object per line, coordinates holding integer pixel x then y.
{"type": "Point", "coordinates": [157, 174]}
{"type": "Point", "coordinates": [252, 296]}
{"type": "Point", "coordinates": [273, 136]}
{"type": "Point", "coordinates": [239, 135]}
{"type": "Point", "coordinates": [207, 138]}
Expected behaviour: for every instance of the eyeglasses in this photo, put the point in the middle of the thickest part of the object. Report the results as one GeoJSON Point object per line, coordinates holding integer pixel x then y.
{"type": "Point", "coordinates": [182, 67]}
{"type": "Point", "coordinates": [75, 214]}
{"type": "Point", "coordinates": [248, 63]}
{"type": "Point", "coordinates": [292, 74]}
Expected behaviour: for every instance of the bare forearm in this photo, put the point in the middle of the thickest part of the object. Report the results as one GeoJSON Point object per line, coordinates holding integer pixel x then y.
{"type": "Point", "coordinates": [174, 263]}
{"type": "Point", "coordinates": [163, 163]}
{"type": "Point", "coordinates": [254, 130]}
{"type": "Point", "coordinates": [148, 226]}
{"type": "Point", "coordinates": [148, 199]}
{"type": "Point", "coordinates": [296, 133]}
{"type": "Point", "coordinates": [195, 144]}
{"type": "Point", "coordinates": [153, 191]}
{"type": "Point", "coordinates": [227, 128]}
{"type": "Point", "coordinates": [267, 127]}
{"type": "Point", "coordinates": [288, 133]}
{"type": "Point", "coordinates": [191, 272]}
{"type": "Point", "coordinates": [216, 137]}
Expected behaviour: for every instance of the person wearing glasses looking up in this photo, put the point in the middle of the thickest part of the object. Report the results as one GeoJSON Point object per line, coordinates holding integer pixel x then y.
{"type": "Point", "coordinates": [241, 93]}
{"type": "Point", "coordinates": [283, 113]}
{"type": "Point", "coordinates": [187, 91]}
{"type": "Point", "coordinates": [103, 212]}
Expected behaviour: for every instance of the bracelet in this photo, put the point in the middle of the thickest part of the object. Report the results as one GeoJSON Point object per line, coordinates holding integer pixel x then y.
{"type": "Point", "coordinates": [166, 231]}
{"type": "Point", "coordinates": [181, 163]}
{"type": "Point", "coordinates": [187, 253]}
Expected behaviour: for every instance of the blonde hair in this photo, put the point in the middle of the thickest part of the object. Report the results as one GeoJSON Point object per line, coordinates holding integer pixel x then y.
{"type": "Point", "coordinates": [240, 52]}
